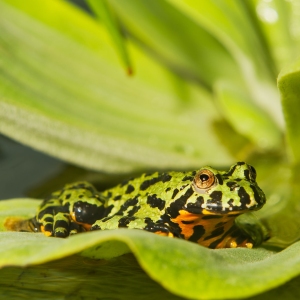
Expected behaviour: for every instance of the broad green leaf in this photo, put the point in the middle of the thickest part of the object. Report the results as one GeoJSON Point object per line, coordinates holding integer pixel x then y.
{"type": "Point", "coordinates": [280, 23]}
{"type": "Point", "coordinates": [246, 117]}
{"type": "Point", "coordinates": [236, 272]}
{"type": "Point", "coordinates": [235, 25]}
{"type": "Point", "coordinates": [288, 84]}
{"type": "Point", "coordinates": [70, 98]}
{"type": "Point", "coordinates": [179, 41]}
{"type": "Point", "coordinates": [77, 277]}
{"type": "Point", "coordinates": [281, 213]}
{"type": "Point", "coordinates": [102, 11]}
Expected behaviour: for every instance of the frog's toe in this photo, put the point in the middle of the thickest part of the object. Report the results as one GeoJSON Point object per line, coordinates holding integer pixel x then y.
{"type": "Point", "coordinates": [232, 244]}
{"type": "Point", "coordinates": [95, 227]}
{"type": "Point", "coordinates": [235, 243]}
{"type": "Point", "coordinates": [47, 226]}
{"type": "Point", "coordinates": [46, 231]}
{"type": "Point", "coordinates": [76, 228]}
{"type": "Point", "coordinates": [249, 245]}
{"type": "Point", "coordinates": [61, 226]}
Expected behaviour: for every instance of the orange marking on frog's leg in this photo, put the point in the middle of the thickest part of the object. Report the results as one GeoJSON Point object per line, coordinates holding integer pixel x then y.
{"type": "Point", "coordinates": [46, 233]}
{"type": "Point", "coordinates": [86, 226]}
{"type": "Point", "coordinates": [163, 233]}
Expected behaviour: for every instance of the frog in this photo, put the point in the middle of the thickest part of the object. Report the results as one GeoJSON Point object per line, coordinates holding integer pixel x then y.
{"type": "Point", "coordinates": [200, 206]}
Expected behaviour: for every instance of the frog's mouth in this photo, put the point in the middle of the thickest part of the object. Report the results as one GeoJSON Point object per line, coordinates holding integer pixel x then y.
{"type": "Point", "coordinates": [226, 211]}
{"type": "Point", "coordinates": [215, 208]}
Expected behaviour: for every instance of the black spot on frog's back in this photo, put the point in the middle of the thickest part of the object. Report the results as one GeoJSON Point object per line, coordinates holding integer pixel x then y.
{"type": "Point", "coordinates": [178, 204]}
{"type": "Point", "coordinates": [130, 189]}
{"type": "Point", "coordinates": [188, 178]}
{"type": "Point", "coordinates": [130, 202]}
{"type": "Point", "coordinates": [175, 192]}
{"type": "Point", "coordinates": [163, 177]}
{"type": "Point", "coordinates": [124, 221]}
{"type": "Point", "coordinates": [154, 201]}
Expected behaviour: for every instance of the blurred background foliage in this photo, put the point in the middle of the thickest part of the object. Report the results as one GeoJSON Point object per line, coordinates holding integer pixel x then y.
{"type": "Point", "coordinates": [111, 88]}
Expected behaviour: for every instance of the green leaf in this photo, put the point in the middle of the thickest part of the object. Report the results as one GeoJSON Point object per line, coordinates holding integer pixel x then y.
{"type": "Point", "coordinates": [101, 9]}
{"type": "Point", "coordinates": [280, 214]}
{"type": "Point", "coordinates": [170, 262]}
{"type": "Point", "coordinates": [288, 84]}
{"type": "Point", "coordinates": [279, 21]}
{"type": "Point", "coordinates": [70, 99]}
{"type": "Point", "coordinates": [235, 25]}
{"type": "Point", "coordinates": [247, 118]}
{"type": "Point", "coordinates": [191, 50]}
{"type": "Point", "coordinates": [77, 277]}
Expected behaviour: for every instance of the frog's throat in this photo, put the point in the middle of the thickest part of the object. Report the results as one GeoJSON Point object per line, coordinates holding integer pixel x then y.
{"type": "Point", "coordinates": [213, 225]}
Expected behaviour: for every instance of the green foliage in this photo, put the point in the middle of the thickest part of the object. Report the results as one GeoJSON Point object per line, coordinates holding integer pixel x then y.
{"type": "Point", "coordinates": [203, 92]}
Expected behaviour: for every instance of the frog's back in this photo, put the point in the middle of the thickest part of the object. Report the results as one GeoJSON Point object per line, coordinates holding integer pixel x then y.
{"type": "Point", "coordinates": [148, 195]}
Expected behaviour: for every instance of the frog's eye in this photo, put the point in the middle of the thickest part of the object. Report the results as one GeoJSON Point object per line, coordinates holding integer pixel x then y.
{"type": "Point", "coordinates": [204, 180]}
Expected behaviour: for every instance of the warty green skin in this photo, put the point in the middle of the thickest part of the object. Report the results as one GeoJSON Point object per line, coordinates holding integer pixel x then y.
{"type": "Point", "coordinates": [165, 203]}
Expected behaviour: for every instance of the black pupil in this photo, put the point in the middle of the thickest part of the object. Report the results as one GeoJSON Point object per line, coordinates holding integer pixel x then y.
{"type": "Point", "coordinates": [204, 177]}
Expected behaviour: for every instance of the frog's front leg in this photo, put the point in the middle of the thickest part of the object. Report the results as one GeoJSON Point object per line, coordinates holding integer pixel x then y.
{"type": "Point", "coordinates": [236, 239]}
{"type": "Point", "coordinates": [54, 219]}
{"type": "Point", "coordinates": [247, 234]}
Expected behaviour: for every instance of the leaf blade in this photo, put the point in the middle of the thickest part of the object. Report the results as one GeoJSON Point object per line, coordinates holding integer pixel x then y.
{"type": "Point", "coordinates": [101, 9]}
{"type": "Point", "coordinates": [80, 107]}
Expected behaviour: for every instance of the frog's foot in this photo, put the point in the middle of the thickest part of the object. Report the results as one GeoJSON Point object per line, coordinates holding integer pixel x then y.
{"type": "Point", "coordinates": [235, 242]}
{"type": "Point", "coordinates": [76, 228]}
{"type": "Point", "coordinates": [56, 224]}
{"type": "Point", "coordinates": [54, 219]}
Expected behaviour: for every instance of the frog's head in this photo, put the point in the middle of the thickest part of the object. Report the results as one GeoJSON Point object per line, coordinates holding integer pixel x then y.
{"type": "Point", "coordinates": [234, 191]}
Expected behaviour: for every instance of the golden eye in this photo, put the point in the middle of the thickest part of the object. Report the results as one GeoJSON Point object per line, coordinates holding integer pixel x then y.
{"type": "Point", "coordinates": [204, 180]}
